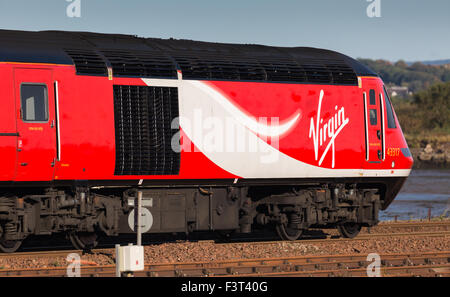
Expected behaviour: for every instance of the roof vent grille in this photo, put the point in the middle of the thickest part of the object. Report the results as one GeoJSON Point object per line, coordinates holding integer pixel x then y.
{"type": "Point", "coordinates": [283, 70]}
{"type": "Point", "coordinates": [141, 64]}
{"type": "Point", "coordinates": [87, 62]}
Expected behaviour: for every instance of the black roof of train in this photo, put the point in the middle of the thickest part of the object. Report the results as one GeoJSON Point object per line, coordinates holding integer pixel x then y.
{"type": "Point", "coordinates": [127, 55]}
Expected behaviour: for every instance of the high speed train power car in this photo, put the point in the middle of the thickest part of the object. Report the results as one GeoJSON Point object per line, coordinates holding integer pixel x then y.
{"type": "Point", "coordinates": [216, 137]}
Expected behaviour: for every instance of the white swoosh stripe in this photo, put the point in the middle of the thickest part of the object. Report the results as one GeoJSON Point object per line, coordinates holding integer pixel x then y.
{"type": "Point", "coordinates": [249, 164]}
{"type": "Point", "coordinates": [247, 121]}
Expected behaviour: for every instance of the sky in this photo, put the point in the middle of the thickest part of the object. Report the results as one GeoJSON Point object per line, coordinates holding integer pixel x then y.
{"type": "Point", "coordinates": [411, 30]}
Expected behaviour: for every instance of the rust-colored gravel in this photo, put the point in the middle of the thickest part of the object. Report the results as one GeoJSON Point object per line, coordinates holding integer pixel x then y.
{"type": "Point", "coordinates": [210, 251]}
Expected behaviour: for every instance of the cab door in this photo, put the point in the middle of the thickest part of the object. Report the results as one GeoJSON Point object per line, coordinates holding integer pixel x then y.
{"type": "Point", "coordinates": [35, 110]}
{"type": "Point", "coordinates": [373, 126]}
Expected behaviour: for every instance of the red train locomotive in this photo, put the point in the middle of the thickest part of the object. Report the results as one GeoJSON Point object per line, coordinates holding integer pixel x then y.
{"type": "Point", "coordinates": [218, 137]}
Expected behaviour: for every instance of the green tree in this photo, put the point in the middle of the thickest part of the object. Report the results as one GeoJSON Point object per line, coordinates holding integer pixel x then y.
{"type": "Point", "coordinates": [416, 77]}
{"type": "Point", "coordinates": [435, 103]}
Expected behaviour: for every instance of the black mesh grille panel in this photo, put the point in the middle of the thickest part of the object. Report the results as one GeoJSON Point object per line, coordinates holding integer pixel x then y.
{"type": "Point", "coordinates": [87, 62]}
{"type": "Point", "coordinates": [342, 73]}
{"type": "Point", "coordinates": [143, 117]}
{"type": "Point", "coordinates": [141, 64]}
{"type": "Point", "coordinates": [193, 67]}
{"type": "Point", "coordinates": [216, 62]}
{"type": "Point", "coordinates": [266, 69]}
{"type": "Point", "coordinates": [317, 72]}
{"type": "Point", "coordinates": [220, 68]}
{"type": "Point", "coordinates": [285, 70]}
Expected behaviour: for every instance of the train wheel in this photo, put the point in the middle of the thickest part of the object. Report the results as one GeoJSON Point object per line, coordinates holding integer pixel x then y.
{"type": "Point", "coordinates": [84, 240]}
{"type": "Point", "coordinates": [349, 230]}
{"type": "Point", "coordinates": [287, 233]}
{"type": "Point", "coordinates": [9, 246]}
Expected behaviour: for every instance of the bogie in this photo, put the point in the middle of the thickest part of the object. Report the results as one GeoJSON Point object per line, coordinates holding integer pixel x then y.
{"type": "Point", "coordinates": [84, 214]}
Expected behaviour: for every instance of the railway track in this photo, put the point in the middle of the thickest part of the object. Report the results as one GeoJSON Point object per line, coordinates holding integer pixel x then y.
{"type": "Point", "coordinates": [64, 253]}
{"type": "Point", "coordinates": [405, 264]}
{"type": "Point", "coordinates": [413, 223]}
{"type": "Point", "coordinates": [363, 236]}
{"type": "Point", "coordinates": [358, 238]}
{"type": "Point", "coordinates": [368, 233]}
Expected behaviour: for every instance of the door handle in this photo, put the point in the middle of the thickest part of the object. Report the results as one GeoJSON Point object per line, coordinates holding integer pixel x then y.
{"type": "Point", "coordinates": [379, 154]}
{"type": "Point", "coordinates": [23, 164]}
{"type": "Point", "coordinates": [379, 134]}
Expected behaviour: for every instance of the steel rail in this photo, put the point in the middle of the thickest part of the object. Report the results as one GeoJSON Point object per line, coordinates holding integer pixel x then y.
{"type": "Point", "coordinates": [365, 236]}
{"type": "Point", "coordinates": [319, 265]}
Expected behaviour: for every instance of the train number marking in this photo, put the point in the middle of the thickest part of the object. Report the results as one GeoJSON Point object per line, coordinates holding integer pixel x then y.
{"type": "Point", "coordinates": [393, 152]}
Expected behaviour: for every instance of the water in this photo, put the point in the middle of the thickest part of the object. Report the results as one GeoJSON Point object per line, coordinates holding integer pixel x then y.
{"type": "Point", "coordinates": [424, 189]}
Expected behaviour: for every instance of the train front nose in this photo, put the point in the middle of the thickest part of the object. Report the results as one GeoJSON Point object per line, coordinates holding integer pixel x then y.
{"type": "Point", "coordinates": [406, 153]}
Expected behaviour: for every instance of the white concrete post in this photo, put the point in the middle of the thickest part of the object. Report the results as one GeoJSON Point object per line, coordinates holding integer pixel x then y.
{"type": "Point", "coordinates": [138, 219]}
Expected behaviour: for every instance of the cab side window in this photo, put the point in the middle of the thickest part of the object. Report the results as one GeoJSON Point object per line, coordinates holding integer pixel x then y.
{"type": "Point", "coordinates": [373, 116]}
{"type": "Point", "coordinates": [389, 111]}
{"type": "Point", "coordinates": [34, 103]}
{"type": "Point", "coordinates": [372, 97]}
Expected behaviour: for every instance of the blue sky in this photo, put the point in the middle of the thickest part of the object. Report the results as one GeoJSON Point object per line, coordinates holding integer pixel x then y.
{"type": "Point", "coordinates": [407, 29]}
